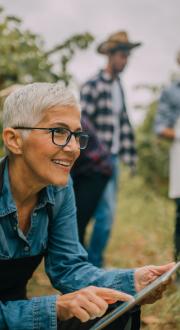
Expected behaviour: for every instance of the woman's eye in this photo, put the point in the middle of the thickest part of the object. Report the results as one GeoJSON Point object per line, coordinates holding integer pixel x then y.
{"type": "Point", "coordinates": [60, 131]}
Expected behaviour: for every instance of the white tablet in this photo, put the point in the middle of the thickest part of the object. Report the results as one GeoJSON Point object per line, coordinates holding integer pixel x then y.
{"type": "Point", "coordinates": [126, 306]}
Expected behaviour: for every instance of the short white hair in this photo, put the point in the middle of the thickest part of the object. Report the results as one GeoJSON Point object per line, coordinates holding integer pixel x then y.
{"type": "Point", "coordinates": [25, 106]}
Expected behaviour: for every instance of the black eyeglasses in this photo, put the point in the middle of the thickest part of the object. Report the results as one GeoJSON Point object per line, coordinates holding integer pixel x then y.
{"type": "Point", "coordinates": [61, 136]}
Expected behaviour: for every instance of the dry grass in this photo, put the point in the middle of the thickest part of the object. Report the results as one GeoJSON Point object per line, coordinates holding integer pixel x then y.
{"type": "Point", "coordinates": [142, 234]}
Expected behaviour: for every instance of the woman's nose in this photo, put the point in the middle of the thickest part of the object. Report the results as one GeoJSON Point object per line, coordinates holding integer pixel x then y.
{"type": "Point", "coordinates": [72, 143]}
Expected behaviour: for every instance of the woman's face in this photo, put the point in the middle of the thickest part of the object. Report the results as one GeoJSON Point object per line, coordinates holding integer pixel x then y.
{"type": "Point", "coordinates": [45, 162]}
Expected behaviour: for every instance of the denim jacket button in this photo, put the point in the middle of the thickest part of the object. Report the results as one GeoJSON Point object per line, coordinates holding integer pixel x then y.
{"type": "Point", "coordinates": [26, 248]}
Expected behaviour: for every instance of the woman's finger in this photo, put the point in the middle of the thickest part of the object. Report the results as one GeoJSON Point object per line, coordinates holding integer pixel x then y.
{"type": "Point", "coordinates": [113, 295]}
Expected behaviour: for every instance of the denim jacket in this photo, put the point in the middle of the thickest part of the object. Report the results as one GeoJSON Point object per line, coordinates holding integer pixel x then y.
{"type": "Point", "coordinates": [168, 110]}
{"type": "Point", "coordinates": [65, 260]}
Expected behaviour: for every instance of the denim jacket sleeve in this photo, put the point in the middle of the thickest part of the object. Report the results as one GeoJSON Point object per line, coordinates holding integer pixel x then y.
{"type": "Point", "coordinates": [35, 314]}
{"type": "Point", "coordinates": [66, 261]}
{"type": "Point", "coordinates": [167, 109]}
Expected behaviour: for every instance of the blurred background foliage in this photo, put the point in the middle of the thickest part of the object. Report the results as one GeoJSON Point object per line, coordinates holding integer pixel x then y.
{"type": "Point", "coordinates": [24, 58]}
{"type": "Point", "coordinates": [153, 154]}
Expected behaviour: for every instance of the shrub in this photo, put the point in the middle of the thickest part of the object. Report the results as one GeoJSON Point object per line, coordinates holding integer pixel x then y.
{"type": "Point", "coordinates": [153, 154]}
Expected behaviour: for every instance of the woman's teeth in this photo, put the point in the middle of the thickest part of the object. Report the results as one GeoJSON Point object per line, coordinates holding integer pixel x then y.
{"type": "Point", "coordinates": [61, 162]}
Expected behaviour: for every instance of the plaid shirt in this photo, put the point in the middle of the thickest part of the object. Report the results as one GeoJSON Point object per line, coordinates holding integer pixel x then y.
{"type": "Point", "coordinates": [96, 102]}
{"type": "Point", "coordinates": [168, 110]}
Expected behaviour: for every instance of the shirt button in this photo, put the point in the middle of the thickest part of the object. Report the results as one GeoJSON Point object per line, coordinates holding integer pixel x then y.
{"type": "Point", "coordinates": [26, 248]}
{"type": "Point", "coordinates": [35, 214]}
{"type": "Point", "coordinates": [14, 227]}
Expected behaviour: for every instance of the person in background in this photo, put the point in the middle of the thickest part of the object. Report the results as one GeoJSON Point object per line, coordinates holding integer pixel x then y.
{"type": "Point", "coordinates": [167, 125]}
{"type": "Point", "coordinates": [90, 174]}
{"type": "Point", "coordinates": [103, 101]}
{"type": "Point", "coordinates": [43, 137]}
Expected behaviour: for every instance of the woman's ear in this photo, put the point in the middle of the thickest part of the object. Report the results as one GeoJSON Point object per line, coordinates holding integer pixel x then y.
{"type": "Point", "coordinates": [12, 140]}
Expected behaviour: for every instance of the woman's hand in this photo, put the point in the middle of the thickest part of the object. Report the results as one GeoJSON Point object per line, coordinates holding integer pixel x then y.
{"type": "Point", "coordinates": [88, 303]}
{"type": "Point", "coordinates": [146, 275]}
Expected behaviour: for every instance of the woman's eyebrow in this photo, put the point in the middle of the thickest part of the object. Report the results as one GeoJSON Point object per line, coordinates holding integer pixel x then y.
{"type": "Point", "coordinates": [64, 125]}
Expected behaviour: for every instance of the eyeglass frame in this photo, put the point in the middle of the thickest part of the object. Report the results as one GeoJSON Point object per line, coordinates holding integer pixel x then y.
{"type": "Point", "coordinates": [53, 129]}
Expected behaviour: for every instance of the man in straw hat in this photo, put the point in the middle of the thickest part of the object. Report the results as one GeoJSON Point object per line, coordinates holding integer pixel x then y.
{"type": "Point", "coordinates": [103, 101]}
{"type": "Point", "coordinates": [167, 125]}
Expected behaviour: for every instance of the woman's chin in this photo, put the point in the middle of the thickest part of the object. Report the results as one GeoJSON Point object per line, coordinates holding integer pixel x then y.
{"type": "Point", "coordinates": [61, 181]}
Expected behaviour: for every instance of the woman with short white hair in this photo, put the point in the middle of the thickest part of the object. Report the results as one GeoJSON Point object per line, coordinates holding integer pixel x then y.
{"type": "Point", "coordinates": [42, 135]}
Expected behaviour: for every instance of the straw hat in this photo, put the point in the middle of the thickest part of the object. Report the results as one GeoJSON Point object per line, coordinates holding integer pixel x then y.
{"type": "Point", "coordinates": [117, 41]}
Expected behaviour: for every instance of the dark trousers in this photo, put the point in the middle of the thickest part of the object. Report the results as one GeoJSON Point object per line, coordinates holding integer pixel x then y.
{"type": "Point", "coordinates": [177, 231]}
{"type": "Point", "coordinates": [88, 190]}
{"type": "Point", "coordinates": [119, 324]}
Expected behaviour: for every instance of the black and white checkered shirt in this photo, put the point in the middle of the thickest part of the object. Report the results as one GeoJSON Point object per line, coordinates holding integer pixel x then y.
{"type": "Point", "coordinates": [96, 102]}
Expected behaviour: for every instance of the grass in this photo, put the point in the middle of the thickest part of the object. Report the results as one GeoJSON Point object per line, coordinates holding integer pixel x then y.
{"type": "Point", "coordinates": [142, 234]}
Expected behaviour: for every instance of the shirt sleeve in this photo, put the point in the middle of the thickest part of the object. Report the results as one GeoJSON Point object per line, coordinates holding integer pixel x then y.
{"type": "Point", "coordinates": [37, 313]}
{"type": "Point", "coordinates": [88, 96]}
{"type": "Point", "coordinates": [164, 117]}
{"type": "Point", "coordinates": [66, 261]}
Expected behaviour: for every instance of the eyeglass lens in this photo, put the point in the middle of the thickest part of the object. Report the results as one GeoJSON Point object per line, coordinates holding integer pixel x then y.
{"type": "Point", "coordinates": [61, 136]}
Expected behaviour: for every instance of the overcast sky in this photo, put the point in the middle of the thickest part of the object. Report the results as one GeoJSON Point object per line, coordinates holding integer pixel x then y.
{"type": "Point", "coordinates": [154, 22]}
